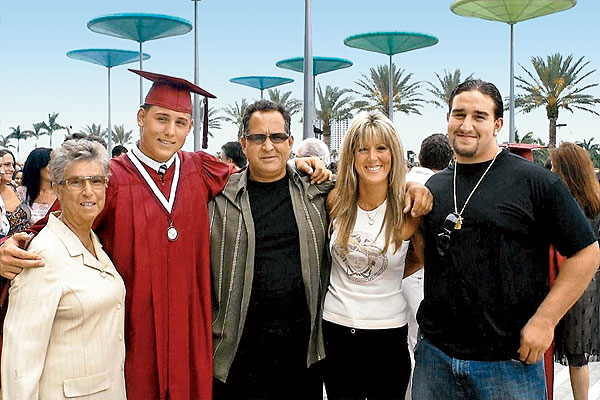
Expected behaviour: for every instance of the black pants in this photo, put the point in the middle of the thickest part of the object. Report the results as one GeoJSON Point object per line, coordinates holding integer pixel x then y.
{"type": "Point", "coordinates": [365, 363]}
{"type": "Point", "coordinates": [259, 379]}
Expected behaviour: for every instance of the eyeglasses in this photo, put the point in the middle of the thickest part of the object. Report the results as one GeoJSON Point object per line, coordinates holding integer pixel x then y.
{"type": "Point", "coordinates": [78, 182]}
{"type": "Point", "coordinates": [259, 138]}
{"type": "Point", "coordinates": [443, 238]}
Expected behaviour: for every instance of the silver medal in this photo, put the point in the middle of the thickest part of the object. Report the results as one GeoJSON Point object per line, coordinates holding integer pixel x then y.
{"type": "Point", "coordinates": [172, 233]}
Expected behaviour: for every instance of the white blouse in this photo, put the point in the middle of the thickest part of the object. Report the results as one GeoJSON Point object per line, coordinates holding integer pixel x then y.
{"type": "Point", "coordinates": [365, 288]}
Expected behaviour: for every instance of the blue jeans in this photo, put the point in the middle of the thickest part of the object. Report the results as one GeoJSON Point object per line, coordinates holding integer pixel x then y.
{"type": "Point", "coordinates": [438, 376]}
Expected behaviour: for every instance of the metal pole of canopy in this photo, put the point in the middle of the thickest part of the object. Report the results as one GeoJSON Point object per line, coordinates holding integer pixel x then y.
{"type": "Point", "coordinates": [141, 79]}
{"type": "Point", "coordinates": [309, 100]}
{"type": "Point", "coordinates": [196, 116]}
{"type": "Point", "coordinates": [109, 141]}
{"type": "Point", "coordinates": [511, 132]}
{"type": "Point", "coordinates": [391, 92]}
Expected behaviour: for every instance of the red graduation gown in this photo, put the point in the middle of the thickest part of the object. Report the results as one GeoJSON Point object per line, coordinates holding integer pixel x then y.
{"type": "Point", "coordinates": [168, 316]}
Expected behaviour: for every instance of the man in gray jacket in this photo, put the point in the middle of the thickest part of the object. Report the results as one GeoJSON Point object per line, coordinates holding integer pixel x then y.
{"type": "Point", "coordinates": [270, 267]}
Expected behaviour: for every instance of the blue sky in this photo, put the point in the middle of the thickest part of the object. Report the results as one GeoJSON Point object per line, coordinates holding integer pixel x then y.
{"type": "Point", "coordinates": [239, 38]}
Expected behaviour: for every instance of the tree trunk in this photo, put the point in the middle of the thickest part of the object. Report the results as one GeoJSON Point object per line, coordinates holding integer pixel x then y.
{"type": "Point", "coordinates": [552, 133]}
{"type": "Point", "coordinates": [326, 138]}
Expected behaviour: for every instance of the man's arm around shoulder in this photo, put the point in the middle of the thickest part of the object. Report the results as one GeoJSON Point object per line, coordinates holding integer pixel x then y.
{"type": "Point", "coordinates": [13, 258]}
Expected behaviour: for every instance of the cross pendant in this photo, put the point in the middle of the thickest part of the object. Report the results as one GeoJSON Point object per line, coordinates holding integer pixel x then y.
{"type": "Point", "coordinates": [458, 223]}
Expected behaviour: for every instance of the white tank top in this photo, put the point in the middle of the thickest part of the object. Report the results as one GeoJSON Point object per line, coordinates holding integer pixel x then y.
{"type": "Point", "coordinates": [365, 289]}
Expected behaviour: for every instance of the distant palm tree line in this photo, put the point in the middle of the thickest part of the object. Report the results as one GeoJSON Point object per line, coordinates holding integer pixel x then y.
{"type": "Point", "coordinates": [43, 128]}
{"type": "Point", "coordinates": [39, 129]}
{"type": "Point", "coordinates": [119, 135]}
{"type": "Point", "coordinates": [553, 83]}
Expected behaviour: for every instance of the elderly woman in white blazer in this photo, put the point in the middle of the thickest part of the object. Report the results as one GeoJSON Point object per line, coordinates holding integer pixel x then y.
{"type": "Point", "coordinates": [63, 332]}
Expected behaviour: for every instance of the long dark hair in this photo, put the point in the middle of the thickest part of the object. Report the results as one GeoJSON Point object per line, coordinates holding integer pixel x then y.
{"type": "Point", "coordinates": [36, 160]}
{"type": "Point", "coordinates": [575, 168]}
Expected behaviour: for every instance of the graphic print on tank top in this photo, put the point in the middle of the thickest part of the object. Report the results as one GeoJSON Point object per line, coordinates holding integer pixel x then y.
{"type": "Point", "coordinates": [364, 261]}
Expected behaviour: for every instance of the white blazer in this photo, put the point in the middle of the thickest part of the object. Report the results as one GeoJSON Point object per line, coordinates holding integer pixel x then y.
{"type": "Point", "coordinates": [63, 332]}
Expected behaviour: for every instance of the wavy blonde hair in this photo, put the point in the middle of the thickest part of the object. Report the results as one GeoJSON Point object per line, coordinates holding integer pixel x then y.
{"type": "Point", "coordinates": [367, 127]}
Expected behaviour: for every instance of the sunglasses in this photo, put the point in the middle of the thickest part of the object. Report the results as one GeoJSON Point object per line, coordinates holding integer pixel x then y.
{"type": "Point", "coordinates": [443, 238]}
{"type": "Point", "coordinates": [260, 138]}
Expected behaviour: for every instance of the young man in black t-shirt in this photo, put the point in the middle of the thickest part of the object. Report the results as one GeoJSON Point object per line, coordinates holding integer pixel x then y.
{"type": "Point", "coordinates": [487, 317]}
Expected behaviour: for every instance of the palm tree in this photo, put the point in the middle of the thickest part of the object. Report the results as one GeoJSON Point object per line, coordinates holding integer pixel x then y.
{"type": "Point", "coordinates": [592, 149]}
{"type": "Point", "coordinates": [36, 132]}
{"type": "Point", "coordinates": [93, 130]}
{"type": "Point", "coordinates": [120, 136]}
{"type": "Point", "coordinates": [332, 107]}
{"type": "Point", "coordinates": [292, 105]}
{"type": "Point", "coordinates": [5, 142]}
{"type": "Point", "coordinates": [214, 121]}
{"type": "Point", "coordinates": [375, 90]}
{"type": "Point", "coordinates": [18, 134]}
{"type": "Point", "coordinates": [445, 88]}
{"type": "Point", "coordinates": [51, 126]}
{"type": "Point", "coordinates": [235, 115]}
{"type": "Point", "coordinates": [555, 87]}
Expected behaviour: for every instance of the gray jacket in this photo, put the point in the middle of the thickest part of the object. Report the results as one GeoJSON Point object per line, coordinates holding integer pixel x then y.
{"type": "Point", "coordinates": [232, 243]}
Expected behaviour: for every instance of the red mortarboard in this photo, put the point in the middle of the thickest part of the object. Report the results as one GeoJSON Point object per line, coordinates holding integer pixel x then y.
{"type": "Point", "coordinates": [174, 94]}
{"type": "Point", "coordinates": [170, 92]}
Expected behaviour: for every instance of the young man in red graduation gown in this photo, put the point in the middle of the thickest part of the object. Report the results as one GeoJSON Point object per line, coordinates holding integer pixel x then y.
{"type": "Point", "coordinates": [155, 228]}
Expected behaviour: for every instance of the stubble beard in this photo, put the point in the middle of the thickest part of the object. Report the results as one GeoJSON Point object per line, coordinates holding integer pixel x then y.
{"type": "Point", "coordinates": [462, 151]}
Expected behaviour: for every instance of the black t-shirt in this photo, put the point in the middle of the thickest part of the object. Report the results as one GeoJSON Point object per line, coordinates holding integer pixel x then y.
{"type": "Point", "coordinates": [278, 318]}
{"type": "Point", "coordinates": [495, 274]}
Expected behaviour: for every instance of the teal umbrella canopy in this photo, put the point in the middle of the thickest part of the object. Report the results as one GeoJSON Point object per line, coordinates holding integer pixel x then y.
{"type": "Point", "coordinates": [106, 57]}
{"type": "Point", "coordinates": [321, 65]}
{"type": "Point", "coordinates": [140, 27]}
{"type": "Point", "coordinates": [509, 11]}
{"type": "Point", "coordinates": [390, 43]}
{"type": "Point", "coordinates": [261, 82]}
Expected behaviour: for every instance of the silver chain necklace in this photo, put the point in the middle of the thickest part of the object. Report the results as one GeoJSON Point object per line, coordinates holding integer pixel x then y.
{"type": "Point", "coordinates": [374, 212]}
{"type": "Point", "coordinates": [459, 218]}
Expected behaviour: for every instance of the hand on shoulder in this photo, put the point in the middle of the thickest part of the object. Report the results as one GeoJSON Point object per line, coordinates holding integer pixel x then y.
{"type": "Point", "coordinates": [13, 258]}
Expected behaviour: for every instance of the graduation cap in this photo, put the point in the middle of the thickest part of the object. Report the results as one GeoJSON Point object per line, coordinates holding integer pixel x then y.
{"type": "Point", "coordinates": [174, 93]}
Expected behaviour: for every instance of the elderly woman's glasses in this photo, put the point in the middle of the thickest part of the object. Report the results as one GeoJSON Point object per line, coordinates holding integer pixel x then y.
{"type": "Point", "coordinates": [259, 138]}
{"type": "Point", "coordinates": [78, 182]}
{"type": "Point", "coordinates": [443, 238]}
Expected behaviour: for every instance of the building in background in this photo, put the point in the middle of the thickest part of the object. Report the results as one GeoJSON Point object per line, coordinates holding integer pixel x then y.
{"type": "Point", "coordinates": [338, 131]}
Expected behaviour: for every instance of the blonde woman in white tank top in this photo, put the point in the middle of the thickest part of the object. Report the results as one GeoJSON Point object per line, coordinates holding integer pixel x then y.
{"type": "Point", "coordinates": [365, 315]}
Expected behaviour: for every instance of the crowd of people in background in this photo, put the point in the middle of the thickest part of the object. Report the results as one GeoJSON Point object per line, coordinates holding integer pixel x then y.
{"type": "Point", "coordinates": [354, 282]}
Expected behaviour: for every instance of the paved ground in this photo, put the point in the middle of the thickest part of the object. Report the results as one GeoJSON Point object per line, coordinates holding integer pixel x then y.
{"type": "Point", "coordinates": [562, 386]}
